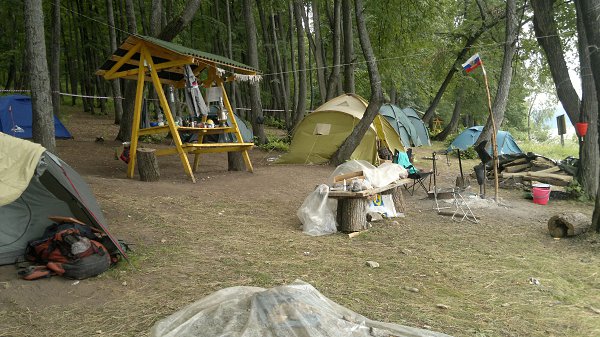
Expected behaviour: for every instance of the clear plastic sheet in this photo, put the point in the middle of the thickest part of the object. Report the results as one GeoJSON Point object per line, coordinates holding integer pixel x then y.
{"type": "Point", "coordinates": [291, 310]}
{"type": "Point", "coordinates": [317, 214]}
{"type": "Point", "coordinates": [380, 176]}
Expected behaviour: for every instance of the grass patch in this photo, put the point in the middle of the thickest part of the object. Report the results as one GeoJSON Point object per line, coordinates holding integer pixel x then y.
{"type": "Point", "coordinates": [551, 149]}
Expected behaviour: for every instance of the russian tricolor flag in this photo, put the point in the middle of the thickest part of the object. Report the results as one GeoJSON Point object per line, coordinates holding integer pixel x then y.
{"type": "Point", "coordinates": [472, 63]}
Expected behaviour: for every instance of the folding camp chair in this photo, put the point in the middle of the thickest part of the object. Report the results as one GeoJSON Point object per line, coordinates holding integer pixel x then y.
{"type": "Point", "coordinates": [418, 177]}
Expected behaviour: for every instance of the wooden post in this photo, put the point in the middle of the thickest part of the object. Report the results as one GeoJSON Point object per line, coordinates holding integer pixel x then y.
{"type": "Point", "coordinates": [494, 132]}
{"type": "Point", "coordinates": [147, 164]}
{"type": "Point", "coordinates": [352, 213]}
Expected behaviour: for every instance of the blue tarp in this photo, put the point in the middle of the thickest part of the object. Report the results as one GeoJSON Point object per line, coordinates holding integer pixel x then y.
{"type": "Point", "coordinates": [16, 118]}
{"type": "Point", "coordinates": [506, 143]}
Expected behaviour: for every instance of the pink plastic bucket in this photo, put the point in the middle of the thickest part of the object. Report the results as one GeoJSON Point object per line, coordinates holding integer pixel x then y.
{"type": "Point", "coordinates": [541, 193]}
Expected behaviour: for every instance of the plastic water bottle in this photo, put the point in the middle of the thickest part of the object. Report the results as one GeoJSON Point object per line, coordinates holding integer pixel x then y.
{"type": "Point", "coordinates": [160, 119]}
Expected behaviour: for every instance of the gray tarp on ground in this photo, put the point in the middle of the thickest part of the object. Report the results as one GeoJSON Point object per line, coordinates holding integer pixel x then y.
{"type": "Point", "coordinates": [297, 309]}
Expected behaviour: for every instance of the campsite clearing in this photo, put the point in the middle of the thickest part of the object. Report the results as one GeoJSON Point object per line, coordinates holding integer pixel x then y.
{"type": "Point", "coordinates": [240, 228]}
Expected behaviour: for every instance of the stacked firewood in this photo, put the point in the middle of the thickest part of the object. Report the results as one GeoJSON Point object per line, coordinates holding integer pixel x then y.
{"type": "Point", "coordinates": [536, 168]}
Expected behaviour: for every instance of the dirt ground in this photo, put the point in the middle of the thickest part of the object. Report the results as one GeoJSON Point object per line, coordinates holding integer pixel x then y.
{"type": "Point", "coordinates": [240, 228]}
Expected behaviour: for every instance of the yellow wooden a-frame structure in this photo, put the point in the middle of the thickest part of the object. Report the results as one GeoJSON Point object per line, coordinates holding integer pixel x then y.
{"type": "Point", "coordinates": [144, 58]}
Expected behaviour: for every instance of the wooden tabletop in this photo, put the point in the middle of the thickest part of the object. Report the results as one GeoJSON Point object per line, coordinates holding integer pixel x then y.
{"type": "Point", "coordinates": [369, 192]}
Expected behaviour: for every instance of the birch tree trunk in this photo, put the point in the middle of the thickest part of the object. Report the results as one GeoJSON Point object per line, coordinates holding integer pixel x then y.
{"type": "Point", "coordinates": [39, 83]}
{"type": "Point", "coordinates": [349, 145]}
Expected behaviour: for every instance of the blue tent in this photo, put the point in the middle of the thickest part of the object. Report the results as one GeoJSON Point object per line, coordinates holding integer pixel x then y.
{"type": "Point", "coordinates": [506, 143]}
{"type": "Point", "coordinates": [16, 118]}
{"type": "Point", "coordinates": [402, 124]}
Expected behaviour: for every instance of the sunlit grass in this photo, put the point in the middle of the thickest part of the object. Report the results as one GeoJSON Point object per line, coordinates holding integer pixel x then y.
{"type": "Point", "coordinates": [551, 149]}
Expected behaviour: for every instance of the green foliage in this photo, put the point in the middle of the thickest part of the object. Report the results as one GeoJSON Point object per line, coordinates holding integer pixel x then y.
{"type": "Point", "coordinates": [152, 139]}
{"type": "Point", "coordinates": [576, 191]}
{"type": "Point", "coordinates": [276, 143]}
{"type": "Point", "coordinates": [275, 122]}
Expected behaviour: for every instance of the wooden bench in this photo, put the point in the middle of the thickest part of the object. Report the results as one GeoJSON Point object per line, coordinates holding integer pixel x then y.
{"type": "Point", "coordinates": [352, 206]}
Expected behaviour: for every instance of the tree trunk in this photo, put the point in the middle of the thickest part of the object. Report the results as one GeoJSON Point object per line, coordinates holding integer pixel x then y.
{"type": "Point", "coordinates": [281, 78]}
{"type": "Point", "coordinates": [452, 127]}
{"type": "Point", "coordinates": [590, 13]}
{"type": "Point", "coordinates": [588, 171]}
{"type": "Point", "coordinates": [147, 164]}
{"type": "Point", "coordinates": [301, 104]}
{"type": "Point", "coordinates": [55, 58]}
{"type": "Point", "coordinates": [177, 24]}
{"type": "Point", "coordinates": [335, 72]}
{"type": "Point", "coordinates": [293, 65]}
{"type": "Point", "coordinates": [316, 47]}
{"type": "Point", "coordinates": [156, 17]}
{"type": "Point", "coordinates": [548, 38]}
{"type": "Point", "coordinates": [116, 85]}
{"type": "Point", "coordinates": [271, 79]}
{"type": "Point", "coordinates": [510, 47]}
{"type": "Point", "coordinates": [349, 145]}
{"type": "Point", "coordinates": [252, 46]}
{"type": "Point", "coordinates": [235, 161]}
{"type": "Point", "coordinates": [39, 83]}
{"type": "Point", "coordinates": [349, 86]}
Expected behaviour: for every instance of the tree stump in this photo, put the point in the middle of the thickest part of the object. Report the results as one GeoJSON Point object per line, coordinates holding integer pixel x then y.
{"type": "Point", "coordinates": [568, 224]}
{"type": "Point", "coordinates": [398, 198]}
{"type": "Point", "coordinates": [147, 164]}
{"type": "Point", "coordinates": [352, 214]}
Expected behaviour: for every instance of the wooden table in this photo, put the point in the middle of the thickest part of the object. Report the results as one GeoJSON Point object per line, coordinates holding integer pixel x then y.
{"type": "Point", "coordinates": [352, 206]}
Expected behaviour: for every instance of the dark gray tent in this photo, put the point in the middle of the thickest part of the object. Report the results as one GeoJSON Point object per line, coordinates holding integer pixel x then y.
{"type": "Point", "coordinates": [420, 127]}
{"type": "Point", "coordinates": [35, 184]}
{"type": "Point", "coordinates": [402, 124]}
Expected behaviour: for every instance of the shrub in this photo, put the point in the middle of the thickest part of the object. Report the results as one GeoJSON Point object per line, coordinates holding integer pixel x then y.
{"type": "Point", "coordinates": [276, 143]}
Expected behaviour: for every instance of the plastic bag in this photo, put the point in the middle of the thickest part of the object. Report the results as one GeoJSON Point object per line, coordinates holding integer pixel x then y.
{"type": "Point", "coordinates": [316, 215]}
{"type": "Point", "coordinates": [384, 205]}
{"type": "Point", "coordinates": [380, 176]}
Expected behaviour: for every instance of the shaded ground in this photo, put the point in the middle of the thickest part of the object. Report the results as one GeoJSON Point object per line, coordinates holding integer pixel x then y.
{"type": "Point", "coordinates": [237, 228]}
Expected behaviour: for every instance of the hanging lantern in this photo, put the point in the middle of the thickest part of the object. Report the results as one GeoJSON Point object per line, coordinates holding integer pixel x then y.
{"type": "Point", "coordinates": [581, 129]}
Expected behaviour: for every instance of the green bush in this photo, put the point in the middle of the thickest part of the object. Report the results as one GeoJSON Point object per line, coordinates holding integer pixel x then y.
{"type": "Point", "coordinates": [276, 143]}
{"type": "Point", "coordinates": [274, 122]}
{"type": "Point", "coordinates": [576, 191]}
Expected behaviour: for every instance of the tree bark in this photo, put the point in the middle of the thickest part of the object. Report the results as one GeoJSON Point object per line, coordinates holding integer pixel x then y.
{"type": "Point", "coordinates": [590, 14]}
{"type": "Point", "coordinates": [252, 46]}
{"type": "Point", "coordinates": [510, 47]}
{"type": "Point", "coordinates": [147, 164]}
{"type": "Point", "coordinates": [55, 58]}
{"type": "Point", "coordinates": [315, 45]}
{"type": "Point", "coordinates": [295, 78]}
{"type": "Point", "coordinates": [588, 171]}
{"type": "Point", "coordinates": [349, 145]}
{"type": "Point", "coordinates": [39, 83]}
{"type": "Point", "coordinates": [271, 79]}
{"type": "Point", "coordinates": [116, 85]}
{"type": "Point", "coordinates": [176, 25]}
{"type": "Point", "coordinates": [301, 104]}
{"type": "Point", "coordinates": [452, 127]}
{"type": "Point", "coordinates": [281, 78]}
{"type": "Point", "coordinates": [235, 160]}
{"type": "Point", "coordinates": [548, 38]}
{"type": "Point", "coordinates": [349, 86]}
{"type": "Point", "coordinates": [335, 72]}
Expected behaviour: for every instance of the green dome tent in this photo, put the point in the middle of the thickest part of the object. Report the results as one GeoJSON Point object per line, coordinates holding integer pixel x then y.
{"type": "Point", "coordinates": [34, 185]}
{"type": "Point", "coordinates": [319, 134]}
{"type": "Point", "coordinates": [402, 124]}
{"type": "Point", "coordinates": [420, 127]}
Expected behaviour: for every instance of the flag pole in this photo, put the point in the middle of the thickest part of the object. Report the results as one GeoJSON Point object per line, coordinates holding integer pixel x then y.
{"type": "Point", "coordinates": [494, 132]}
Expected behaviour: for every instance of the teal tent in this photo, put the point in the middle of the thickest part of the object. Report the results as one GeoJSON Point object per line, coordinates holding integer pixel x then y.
{"type": "Point", "coordinates": [420, 127]}
{"type": "Point", "coordinates": [402, 124]}
{"type": "Point", "coordinates": [467, 138]}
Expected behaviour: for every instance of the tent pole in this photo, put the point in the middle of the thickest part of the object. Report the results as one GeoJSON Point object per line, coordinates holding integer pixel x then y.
{"type": "Point", "coordinates": [494, 131]}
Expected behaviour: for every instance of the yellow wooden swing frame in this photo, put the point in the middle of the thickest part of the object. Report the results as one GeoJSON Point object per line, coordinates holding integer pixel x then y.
{"type": "Point", "coordinates": [159, 62]}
